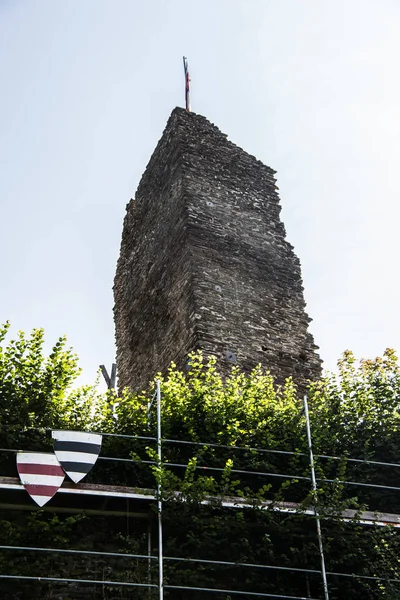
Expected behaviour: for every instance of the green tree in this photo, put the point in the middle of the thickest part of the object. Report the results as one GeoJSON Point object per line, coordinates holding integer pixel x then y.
{"type": "Point", "coordinates": [31, 384]}
{"type": "Point", "coordinates": [35, 389]}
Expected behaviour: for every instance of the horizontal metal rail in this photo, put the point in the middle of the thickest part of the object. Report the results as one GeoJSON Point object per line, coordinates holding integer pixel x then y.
{"type": "Point", "coordinates": [67, 580]}
{"type": "Point", "coordinates": [243, 448]}
{"type": "Point", "coordinates": [74, 510]}
{"type": "Point", "coordinates": [237, 592]}
{"type": "Point", "coordinates": [150, 585]}
{"type": "Point", "coordinates": [228, 447]}
{"type": "Point", "coordinates": [358, 483]}
{"type": "Point", "coordinates": [278, 568]}
{"type": "Point", "coordinates": [244, 471]}
{"type": "Point", "coordinates": [364, 461]}
{"type": "Point", "coordinates": [67, 551]}
{"type": "Point", "coordinates": [184, 466]}
{"type": "Point", "coordinates": [195, 560]}
{"type": "Point", "coordinates": [238, 471]}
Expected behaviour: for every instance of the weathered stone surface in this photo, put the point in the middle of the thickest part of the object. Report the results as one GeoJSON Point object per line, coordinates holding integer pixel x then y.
{"type": "Point", "coordinates": [204, 263]}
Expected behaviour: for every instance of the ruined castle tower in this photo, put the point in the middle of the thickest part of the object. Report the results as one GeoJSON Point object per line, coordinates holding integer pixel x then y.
{"type": "Point", "coordinates": [204, 263]}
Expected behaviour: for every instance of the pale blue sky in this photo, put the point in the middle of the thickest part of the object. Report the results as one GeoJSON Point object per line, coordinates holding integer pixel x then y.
{"type": "Point", "coordinates": [311, 88]}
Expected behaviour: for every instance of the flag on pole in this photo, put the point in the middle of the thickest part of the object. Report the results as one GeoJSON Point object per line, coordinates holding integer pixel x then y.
{"type": "Point", "coordinates": [40, 474]}
{"type": "Point", "coordinates": [77, 452]}
{"type": "Point", "coordinates": [187, 83]}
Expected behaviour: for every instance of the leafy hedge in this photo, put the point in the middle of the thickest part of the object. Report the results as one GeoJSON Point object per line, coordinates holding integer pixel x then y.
{"type": "Point", "coordinates": [354, 413]}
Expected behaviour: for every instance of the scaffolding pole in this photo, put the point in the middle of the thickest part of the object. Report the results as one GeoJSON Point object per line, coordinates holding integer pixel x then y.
{"type": "Point", "coordinates": [314, 489]}
{"type": "Point", "coordinates": [159, 499]}
{"type": "Point", "coordinates": [149, 556]}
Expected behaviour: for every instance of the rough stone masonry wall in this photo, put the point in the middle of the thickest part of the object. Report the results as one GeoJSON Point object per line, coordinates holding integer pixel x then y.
{"type": "Point", "coordinates": [204, 263]}
{"type": "Point", "coordinates": [153, 284]}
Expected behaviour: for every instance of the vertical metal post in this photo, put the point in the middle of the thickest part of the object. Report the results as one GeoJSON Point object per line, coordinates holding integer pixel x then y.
{"type": "Point", "coordinates": [159, 500]}
{"type": "Point", "coordinates": [314, 489]}
{"type": "Point", "coordinates": [148, 413]}
{"type": "Point", "coordinates": [149, 405]}
{"type": "Point", "coordinates": [149, 555]}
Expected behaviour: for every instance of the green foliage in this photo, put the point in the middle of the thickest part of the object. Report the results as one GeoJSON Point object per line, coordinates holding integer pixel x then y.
{"type": "Point", "coordinates": [354, 413]}
{"type": "Point", "coordinates": [35, 390]}
{"type": "Point", "coordinates": [32, 385]}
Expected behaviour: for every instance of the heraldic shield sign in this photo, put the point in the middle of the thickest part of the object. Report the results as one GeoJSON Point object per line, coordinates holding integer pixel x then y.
{"type": "Point", "coordinates": [77, 452]}
{"type": "Point", "coordinates": [40, 474]}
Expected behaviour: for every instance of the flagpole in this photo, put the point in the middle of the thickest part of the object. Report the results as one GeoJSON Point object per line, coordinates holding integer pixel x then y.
{"type": "Point", "coordinates": [187, 83]}
{"type": "Point", "coordinates": [159, 499]}
{"type": "Point", "coordinates": [314, 489]}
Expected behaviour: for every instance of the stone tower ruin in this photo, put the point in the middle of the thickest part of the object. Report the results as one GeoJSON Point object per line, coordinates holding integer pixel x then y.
{"type": "Point", "coordinates": [204, 264]}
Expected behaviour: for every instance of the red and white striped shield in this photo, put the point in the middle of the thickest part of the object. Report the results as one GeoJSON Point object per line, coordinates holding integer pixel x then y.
{"type": "Point", "coordinates": [41, 475]}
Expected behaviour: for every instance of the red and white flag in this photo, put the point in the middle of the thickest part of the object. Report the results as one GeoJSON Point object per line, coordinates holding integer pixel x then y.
{"type": "Point", "coordinates": [41, 475]}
